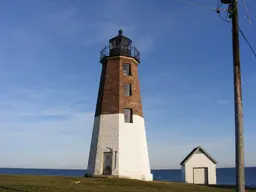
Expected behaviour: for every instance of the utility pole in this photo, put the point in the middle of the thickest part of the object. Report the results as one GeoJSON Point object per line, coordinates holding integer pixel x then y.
{"type": "Point", "coordinates": [239, 138]}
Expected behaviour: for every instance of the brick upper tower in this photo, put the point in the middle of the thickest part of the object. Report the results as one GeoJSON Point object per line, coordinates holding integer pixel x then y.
{"type": "Point", "coordinates": [118, 144]}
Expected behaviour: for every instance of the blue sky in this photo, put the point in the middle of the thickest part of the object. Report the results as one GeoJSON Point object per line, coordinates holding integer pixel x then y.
{"type": "Point", "coordinates": [50, 71]}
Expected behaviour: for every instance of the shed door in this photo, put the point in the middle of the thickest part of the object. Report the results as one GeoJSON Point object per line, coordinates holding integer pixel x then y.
{"type": "Point", "coordinates": [200, 175]}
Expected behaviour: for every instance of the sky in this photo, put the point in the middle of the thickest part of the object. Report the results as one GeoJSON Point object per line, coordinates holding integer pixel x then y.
{"type": "Point", "coordinates": [50, 71]}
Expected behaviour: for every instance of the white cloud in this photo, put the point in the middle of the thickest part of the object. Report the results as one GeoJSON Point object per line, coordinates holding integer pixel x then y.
{"type": "Point", "coordinates": [57, 143]}
{"type": "Point", "coordinates": [43, 132]}
{"type": "Point", "coordinates": [67, 24]}
{"type": "Point", "coordinates": [222, 101]}
{"type": "Point", "coordinates": [101, 32]}
{"type": "Point", "coordinates": [174, 149]}
{"type": "Point", "coordinates": [145, 44]}
{"type": "Point", "coordinates": [72, 28]}
{"type": "Point", "coordinates": [50, 124]}
{"type": "Point", "coordinates": [73, 102]}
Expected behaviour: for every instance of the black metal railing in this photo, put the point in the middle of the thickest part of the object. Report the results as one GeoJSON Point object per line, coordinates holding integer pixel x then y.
{"type": "Point", "coordinates": [129, 51]}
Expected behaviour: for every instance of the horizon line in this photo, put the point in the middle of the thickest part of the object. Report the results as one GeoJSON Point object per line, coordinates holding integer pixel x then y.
{"type": "Point", "coordinates": [85, 169]}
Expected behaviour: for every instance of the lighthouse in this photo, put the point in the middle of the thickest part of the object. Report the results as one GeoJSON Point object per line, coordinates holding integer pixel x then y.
{"type": "Point", "coordinates": [118, 143]}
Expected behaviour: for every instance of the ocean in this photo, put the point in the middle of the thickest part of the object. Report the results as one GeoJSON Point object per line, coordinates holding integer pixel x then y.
{"type": "Point", "coordinates": [225, 176]}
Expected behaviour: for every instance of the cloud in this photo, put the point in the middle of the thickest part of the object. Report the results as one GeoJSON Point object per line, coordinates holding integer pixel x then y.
{"type": "Point", "coordinates": [73, 25]}
{"type": "Point", "coordinates": [42, 131]}
{"type": "Point", "coordinates": [77, 101]}
{"type": "Point", "coordinates": [62, 16]}
{"type": "Point", "coordinates": [145, 44]}
{"type": "Point", "coordinates": [101, 32]}
{"type": "Point", "coordinates": [46, 118]}
{"type": "Point", "coordinates": [68, 25]}
{"type": "Point", "coordinates": [222, 101]}
{"type": "Point", "coordinates": [174, 149]}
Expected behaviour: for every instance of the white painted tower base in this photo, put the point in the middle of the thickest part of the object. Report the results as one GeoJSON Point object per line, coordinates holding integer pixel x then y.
{"type": "Point", "coordinates": [124, 143]}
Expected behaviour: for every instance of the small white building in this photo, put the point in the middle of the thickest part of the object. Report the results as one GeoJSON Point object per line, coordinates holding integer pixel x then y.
{"type": "Point", "coordinates": [199, 167]}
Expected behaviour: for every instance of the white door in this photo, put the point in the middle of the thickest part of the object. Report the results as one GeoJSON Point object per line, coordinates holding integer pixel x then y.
{"type": "Point", "coordinates": [200, 175]}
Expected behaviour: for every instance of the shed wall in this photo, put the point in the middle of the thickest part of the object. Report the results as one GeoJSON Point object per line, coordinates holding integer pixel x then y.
{"type": "Point", "coordinates": [200, 160]}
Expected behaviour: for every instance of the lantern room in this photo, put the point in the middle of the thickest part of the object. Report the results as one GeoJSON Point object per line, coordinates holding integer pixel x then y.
{"type": "Point", "coordinates": [120, 46]}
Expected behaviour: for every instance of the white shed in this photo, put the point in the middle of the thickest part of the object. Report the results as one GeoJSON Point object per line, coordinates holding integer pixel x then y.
{"type": "Point", "coordinates": [199, 167]}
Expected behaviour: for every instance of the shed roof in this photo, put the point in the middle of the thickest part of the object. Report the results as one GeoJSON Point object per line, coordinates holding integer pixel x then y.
{"type": "Point", "coordinates": [199, 148]}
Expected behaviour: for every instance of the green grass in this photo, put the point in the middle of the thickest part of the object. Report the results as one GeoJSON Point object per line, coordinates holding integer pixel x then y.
{"type": "Point", "coordinates": [22, 183]}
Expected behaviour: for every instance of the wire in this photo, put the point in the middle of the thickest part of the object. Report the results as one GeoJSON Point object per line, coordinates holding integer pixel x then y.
{"type": "Point", "coordinates": [248, 43]}
{"type": "Point", "coordinates": [218, 9]}
{"type": "Point", "coordinates": [202, 5]}
{"type": "Point", "coordinates": [218, 12]}
{"type": "Point", "coordinates": [254, 53]}
{"type": "Point", "coordinates": [227, 17]}
{"type": "Point", "coordinates": [218, 3]}
{"type": "Point", "coordinates": [247, 12]}
{"type": "Point", "coordinates": [225, 20]}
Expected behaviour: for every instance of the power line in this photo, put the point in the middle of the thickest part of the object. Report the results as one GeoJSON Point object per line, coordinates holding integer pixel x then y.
{"type": "Point", "coordinates": [218, 10]}
{"type": "Point", "coordinates": [203, 5]}
{"type": "Point", "coordinates": [247, 12]}
{"type": "Point", "coordinates": [227, 14]}
{"type": "Point", "coordinates": [225, 20]}
{"type": "Point", "coordinates": [248, 43]}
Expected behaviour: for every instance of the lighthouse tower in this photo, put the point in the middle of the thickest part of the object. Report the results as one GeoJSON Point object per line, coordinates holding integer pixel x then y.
{"type": "Point", "coordinates": [118, 143]}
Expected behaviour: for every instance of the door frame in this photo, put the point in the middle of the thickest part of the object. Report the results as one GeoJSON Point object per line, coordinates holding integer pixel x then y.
{"type": "Point", "coordinates": [206, 172]}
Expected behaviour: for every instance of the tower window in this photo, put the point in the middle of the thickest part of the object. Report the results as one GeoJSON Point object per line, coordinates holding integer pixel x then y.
{"type": "Point", "coordinates": [127, 115]}
{"type": "Point", "coordinates": [127, 89]}
{"type": "Point", "coordinates": [127, 69]}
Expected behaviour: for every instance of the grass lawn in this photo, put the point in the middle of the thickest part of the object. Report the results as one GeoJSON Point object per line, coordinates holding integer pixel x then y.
{"type": "Point", "coordinates": [27, 183]}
